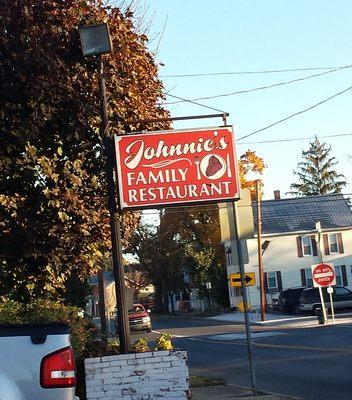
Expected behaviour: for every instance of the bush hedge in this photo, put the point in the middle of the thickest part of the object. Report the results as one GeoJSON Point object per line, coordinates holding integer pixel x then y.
{"type": "Point", "coordinates": [83, 332]}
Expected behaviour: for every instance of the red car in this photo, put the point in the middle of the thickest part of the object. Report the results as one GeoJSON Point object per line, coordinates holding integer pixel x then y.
{"type": "Point", "coordinates": [139, 319]}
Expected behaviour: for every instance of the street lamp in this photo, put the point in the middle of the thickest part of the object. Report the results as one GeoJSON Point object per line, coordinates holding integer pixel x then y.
{"type": "Point", "coordinates": [95, 40]}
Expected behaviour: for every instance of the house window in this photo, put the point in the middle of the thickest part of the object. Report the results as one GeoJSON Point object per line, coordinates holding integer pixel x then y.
{"type": "Point", "coordinates": [338, 274]}
{"type": "Point", "coordinates": [333, 246]}
{"type": "Point", "coordinates": [272, 281]}
{"type": "Point", "coordinates": [341, 275]}
{"type": "Point", "coordinates": [309, 279]}
{"type": "Point", "coordinates": [306, 245]}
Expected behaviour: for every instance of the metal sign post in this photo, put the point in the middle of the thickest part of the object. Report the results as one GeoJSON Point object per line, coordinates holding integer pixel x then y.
{"type": "Point", "coordinates": [323, 304]}
{"type": "Point", "coordinates": [330, 291]}
{"type": "Point", "coordinates": [208, 286]}
{"type": "Point", "coordinates": [245, 303]}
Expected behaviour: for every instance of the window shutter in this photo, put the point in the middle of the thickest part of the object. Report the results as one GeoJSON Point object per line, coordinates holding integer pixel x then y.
{"type": "Point", "coordinates": [299, 246]}
{"type": "Point", "coordinates": [303, 277]}
{"type": "Point", "coordinates": [326, 244]}
{"type": "Point", "coordinates": [266, 282]}
{"type": "Point", "coordinates": [314, 245]}
{"type": "Point", "coordinates": [344, 275]}
{"type": "Point", "coordinates": [340, 243]}
{"type": "Point", "coordinates": [279, 280]}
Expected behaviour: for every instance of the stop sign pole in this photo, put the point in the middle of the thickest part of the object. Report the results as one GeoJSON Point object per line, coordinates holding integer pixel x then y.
{"type": "Point", "coordinates": [323, 275]}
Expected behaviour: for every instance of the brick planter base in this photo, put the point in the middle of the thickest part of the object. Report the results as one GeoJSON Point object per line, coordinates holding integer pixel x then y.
{"type": "Point", "coordinates": [138, 376]}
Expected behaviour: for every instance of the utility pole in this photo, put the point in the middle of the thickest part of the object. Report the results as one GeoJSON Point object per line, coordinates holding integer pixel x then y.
{"type": "Point", "coordinates": [260, 255]}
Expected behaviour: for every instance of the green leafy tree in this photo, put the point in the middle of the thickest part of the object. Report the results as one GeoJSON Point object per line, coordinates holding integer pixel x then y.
{"type": "Point", "coordinates": [316, 172]}
{"type": "Point", "coordinates": [198, 234]}
{"type": "Point", "coordinates": [54, 221]}
{"type": "Point", "coordinates": [162, 260]}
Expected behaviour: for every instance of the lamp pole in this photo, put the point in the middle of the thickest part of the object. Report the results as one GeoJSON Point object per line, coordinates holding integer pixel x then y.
{"type": "Point", "coordinates": [96, 40]}
{"type": "Point", "coordinates": [115, 226]}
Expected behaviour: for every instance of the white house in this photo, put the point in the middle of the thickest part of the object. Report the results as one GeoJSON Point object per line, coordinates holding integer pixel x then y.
{"type": "Point", "coordinates": [290, 244]}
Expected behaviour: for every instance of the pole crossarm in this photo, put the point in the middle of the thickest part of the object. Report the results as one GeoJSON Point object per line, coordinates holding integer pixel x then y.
{"type": "Point", "coordinates": [148, 121]}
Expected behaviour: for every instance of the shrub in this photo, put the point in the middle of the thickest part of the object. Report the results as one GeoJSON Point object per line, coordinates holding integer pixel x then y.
{"type": "Point", "coordinates": [140, 346]}
{"type": "Point", "coordinates": [49, 311]}
{"type": "Point", "coordinates": [163, 342]}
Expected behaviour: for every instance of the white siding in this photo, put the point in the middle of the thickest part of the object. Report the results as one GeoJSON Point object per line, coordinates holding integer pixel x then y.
{"type": "Point", "coordinates": [281, 255]}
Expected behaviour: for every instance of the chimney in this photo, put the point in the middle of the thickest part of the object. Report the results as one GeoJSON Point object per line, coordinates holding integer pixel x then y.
{"type": "Point", "coordinates": [277, 195]}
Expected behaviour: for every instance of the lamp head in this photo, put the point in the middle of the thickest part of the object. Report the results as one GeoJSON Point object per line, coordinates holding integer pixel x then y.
{"type": "Point", "coordinates": [95, 39]}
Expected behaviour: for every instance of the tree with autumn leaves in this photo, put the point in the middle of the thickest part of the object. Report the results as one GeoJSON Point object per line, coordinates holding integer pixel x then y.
{"type": "Point", "coordinates": [250, 163]}
{"type": "Point", "coordinates": [54, 221]}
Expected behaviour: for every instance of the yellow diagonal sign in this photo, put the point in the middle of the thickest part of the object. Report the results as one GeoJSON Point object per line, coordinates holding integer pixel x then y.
{"type": "Point", "coordinates": [249, 278]}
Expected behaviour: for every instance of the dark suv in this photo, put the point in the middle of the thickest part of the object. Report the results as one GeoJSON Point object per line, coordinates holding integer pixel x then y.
{"type": "Point", "coordinates": [310, 299]}
{"type": "Point", "coordinates": [288, 300]}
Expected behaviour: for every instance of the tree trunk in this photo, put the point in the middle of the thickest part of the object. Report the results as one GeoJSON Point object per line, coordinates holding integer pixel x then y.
{"type": "Point", "coordinates": [172, 304]}
{"type": "Point", "coordinates": [165, 297]}
{"type": "Point", "coordinates": [158, 300]}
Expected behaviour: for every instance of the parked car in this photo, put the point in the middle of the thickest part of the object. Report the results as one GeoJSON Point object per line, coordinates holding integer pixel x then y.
{"type": "Point", "coordinates": [37, 362]}
{"type": "Point", "coordinates": [310, 299]}
{"type": "Point", "coordinates": [288, 300]}
{"type": "Point", "coordinates": [139, 319]}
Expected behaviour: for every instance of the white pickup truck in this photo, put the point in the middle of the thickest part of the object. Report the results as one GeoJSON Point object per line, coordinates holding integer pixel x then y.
{"type": "Point", "coordinates": [36, 363]}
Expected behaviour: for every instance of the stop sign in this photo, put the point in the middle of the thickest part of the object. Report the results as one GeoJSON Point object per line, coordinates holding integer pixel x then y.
{"type": "Point", "coordinates": [323, 275]}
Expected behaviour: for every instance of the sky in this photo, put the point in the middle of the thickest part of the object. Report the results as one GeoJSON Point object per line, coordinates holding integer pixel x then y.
{"type": "Point", "coordinates": [230, 36]}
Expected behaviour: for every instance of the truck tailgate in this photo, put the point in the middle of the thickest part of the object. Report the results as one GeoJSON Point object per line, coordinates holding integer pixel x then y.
{"type": "Point", "coordinates": [22, 348]}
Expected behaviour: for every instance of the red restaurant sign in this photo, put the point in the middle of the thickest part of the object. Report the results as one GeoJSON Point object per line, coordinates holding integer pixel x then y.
{"type": "Point", "coordinates": [176, 167]}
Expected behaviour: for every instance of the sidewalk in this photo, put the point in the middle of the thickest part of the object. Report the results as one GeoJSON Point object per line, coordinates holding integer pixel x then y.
{"type": "Point", "coordinates": [230, 392]}
{"type": "Point", "coordinates": [276, 319]}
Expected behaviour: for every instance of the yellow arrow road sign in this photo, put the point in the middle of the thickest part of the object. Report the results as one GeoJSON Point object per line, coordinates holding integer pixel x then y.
{"type": "Point", "coordinates": [249, 278]}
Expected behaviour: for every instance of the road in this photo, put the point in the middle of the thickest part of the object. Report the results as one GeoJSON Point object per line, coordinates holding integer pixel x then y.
{"type": "Point", "coordinates": [310, 363]}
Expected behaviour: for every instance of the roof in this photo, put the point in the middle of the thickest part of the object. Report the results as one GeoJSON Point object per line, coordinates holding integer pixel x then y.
{"type": "Point", "coordinates": [301, 213]}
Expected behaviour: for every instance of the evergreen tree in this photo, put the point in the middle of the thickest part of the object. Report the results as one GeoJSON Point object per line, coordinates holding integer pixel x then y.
{"type": "Point", "coordinates": [316, 172]}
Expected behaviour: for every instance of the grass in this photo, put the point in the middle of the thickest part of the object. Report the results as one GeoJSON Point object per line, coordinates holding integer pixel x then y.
{"type": "Point", "coordinates": [202, 381]}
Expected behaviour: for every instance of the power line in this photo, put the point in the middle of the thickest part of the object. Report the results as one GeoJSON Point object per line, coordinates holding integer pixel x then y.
{"type": "Point", "coordinates": [295, 114]}
{"type": "Point", "coordinates": [295, 139]}
{"type": "Point", "coordinates": [193, 102]}
{"type": "Point", "coordinates": [302, 200]}
{"type": "Point", "coordinates": [247, 72]}
{"type": "Point", "coordinates": [263, 87]}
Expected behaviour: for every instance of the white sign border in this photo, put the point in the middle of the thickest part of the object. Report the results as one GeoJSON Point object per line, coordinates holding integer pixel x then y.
{"type": "Point", "coordinates": [315, 284]}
